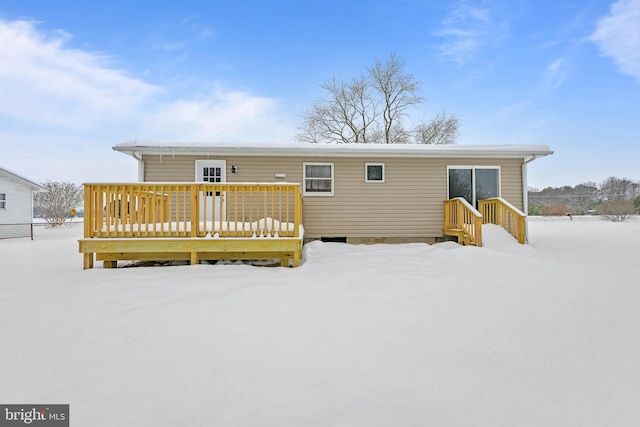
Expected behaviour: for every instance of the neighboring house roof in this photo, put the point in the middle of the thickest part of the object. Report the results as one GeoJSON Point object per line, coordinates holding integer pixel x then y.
{"type": "Point", "coordinates": [335, 150]}
{"type": "Point", "coordinates": [26, 181]}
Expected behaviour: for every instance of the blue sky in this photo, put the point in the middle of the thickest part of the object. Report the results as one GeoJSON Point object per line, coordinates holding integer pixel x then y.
{"type": "Point", "coordinates": [78, 77]}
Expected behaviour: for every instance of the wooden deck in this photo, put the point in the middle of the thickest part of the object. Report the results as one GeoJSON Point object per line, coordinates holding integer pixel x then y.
{"type": "Point", "coordinates": [192, 221]}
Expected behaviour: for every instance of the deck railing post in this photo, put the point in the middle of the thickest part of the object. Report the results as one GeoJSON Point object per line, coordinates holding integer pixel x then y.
{"type": "Point", "coordinates": [195, 210]}
{"type": "Point", "coordinates": [478, 231]}
{"type": "Point", "coordinates": [447, 214]}
{"type": "Point", "coordinates": [521, 229]}
{"type": "Point", "coordinates": [297, 210]}
{"type": "Point", "coordinates": [460, 214]}
{"type": "Point", "coordinates": [88, 210]}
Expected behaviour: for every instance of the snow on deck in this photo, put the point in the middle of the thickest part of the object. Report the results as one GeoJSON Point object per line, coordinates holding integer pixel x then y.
{"type": "Point", "coordinates": [262, 227]}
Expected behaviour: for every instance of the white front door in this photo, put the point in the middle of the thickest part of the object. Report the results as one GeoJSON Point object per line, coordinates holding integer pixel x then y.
{"type": "Point", "coordinates": [213, 171]}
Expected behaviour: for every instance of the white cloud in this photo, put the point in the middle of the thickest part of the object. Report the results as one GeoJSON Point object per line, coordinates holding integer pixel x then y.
{"type": "Point", "coordinates": [58, 99]}
{"type": "Point", "coordinates": [220, 116]}
{"type": "Point", "coordinates": [169, 46]}
{"type": "Point", "coordinates": [514, 108]}
{"type": "Point", "coordinates": [556, 73]}
{"type": "Point", "coordinates": [469, 27]}
{"type": "Point", "coordinates": [45, 82]}
{"type": "Point", "coordinates": [618, 36]}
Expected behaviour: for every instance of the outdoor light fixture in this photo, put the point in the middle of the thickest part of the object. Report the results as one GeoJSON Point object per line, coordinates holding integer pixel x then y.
{"type": "Point", "coordinates": [234, 169]}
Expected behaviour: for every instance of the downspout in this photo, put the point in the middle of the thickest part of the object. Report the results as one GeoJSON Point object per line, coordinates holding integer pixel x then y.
{"type": "Point", "coordinates": [525, 198]}
{"type": "Point", "coordinates": [140, 165]}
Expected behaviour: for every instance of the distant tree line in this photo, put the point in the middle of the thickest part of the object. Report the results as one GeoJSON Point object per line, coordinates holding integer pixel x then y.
{"type": "Point", "coordinates": [614, 198]}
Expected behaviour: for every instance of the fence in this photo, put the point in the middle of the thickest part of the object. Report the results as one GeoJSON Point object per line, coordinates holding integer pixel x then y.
{"type": "Point", "coordinates": [16, 231]}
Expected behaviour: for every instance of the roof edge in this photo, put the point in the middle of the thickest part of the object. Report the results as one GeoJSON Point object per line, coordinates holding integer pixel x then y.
{"type": "Point", "coordinates": [335, 150]}
{"type": "Point", "coordinates": [34, 185]}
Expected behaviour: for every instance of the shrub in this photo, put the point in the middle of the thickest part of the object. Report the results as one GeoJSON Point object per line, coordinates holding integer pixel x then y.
{"type": "Point", "coordinates": [555, 210]}
{"type": "Point", "coordinates": [535, 210]}
{"type": "Point", "coordinates": [54, 204]}
{"type": "Point", "coordinates": [616, 210]}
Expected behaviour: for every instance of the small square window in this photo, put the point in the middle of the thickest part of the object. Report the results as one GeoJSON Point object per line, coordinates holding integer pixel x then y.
{"type": "Point", "coordinates": [374, 172]}
{"type": "Point", "coordinates": [3, 200]}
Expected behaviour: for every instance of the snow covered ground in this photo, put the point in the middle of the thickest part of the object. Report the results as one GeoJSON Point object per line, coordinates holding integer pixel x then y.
{"type": "Point", "coordinates": [546, 334]}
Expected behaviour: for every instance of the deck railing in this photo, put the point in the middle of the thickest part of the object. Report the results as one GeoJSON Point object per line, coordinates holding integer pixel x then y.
{"type": "Point", "coordinates": [192, 210]}
{"type": "Point", "coordinates": [499, 211]}
{"type": "Point", "coordinates": [462, 220]}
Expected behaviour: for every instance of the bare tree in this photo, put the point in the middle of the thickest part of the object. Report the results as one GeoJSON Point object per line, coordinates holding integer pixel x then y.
{"type": "Point", "coordinates": [370, 108]}
{"type": "Point", "coordinates": [617, 198]}
{"type": "Point", "coordinates": [345, 115]}
{"type": "Point", "coordinates": [583, 198]}
{"type": "Point", "coordinates": [55, 204]}
{"type": "Point", "coordinates": [442, 129]}
{"type": "Point", "coordinates": [399, 91]}
{"type": "Point", "coordinates": [614, 188]}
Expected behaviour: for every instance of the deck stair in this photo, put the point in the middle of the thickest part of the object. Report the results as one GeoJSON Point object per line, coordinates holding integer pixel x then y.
{"type": "Point", "coordinates": [464, 222]}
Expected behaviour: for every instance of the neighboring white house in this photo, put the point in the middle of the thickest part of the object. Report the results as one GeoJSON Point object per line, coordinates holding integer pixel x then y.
{"type": "Point", "coordinates": [16, 204]}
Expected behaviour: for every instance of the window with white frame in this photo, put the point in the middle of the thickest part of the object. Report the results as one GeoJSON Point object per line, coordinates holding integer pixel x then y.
{"type": "Point", "coordinates": [318, 179]}
{"type": "Point", "coordinates": [374, 172]}
{"type": "Point", "coordinates": [3, 200]}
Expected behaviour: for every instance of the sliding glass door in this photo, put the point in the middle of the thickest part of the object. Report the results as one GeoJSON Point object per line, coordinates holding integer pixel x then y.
{"type": "Point", "coordinates": [473, 183]}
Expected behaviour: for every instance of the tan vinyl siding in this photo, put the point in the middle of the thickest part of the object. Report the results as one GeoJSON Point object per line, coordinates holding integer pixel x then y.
{"type": "Point", "coordinates": [409, 204]}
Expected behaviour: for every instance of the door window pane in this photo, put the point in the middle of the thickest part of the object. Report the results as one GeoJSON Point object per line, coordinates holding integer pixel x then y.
{"type": "Point", "coordinates": [461, 184]}
{"type": "Point", "coordinates": [212, 174]}
{"type": "Point", "coordinates": [486, 183]}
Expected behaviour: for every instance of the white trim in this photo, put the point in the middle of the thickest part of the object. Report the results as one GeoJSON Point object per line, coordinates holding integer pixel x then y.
{"type": "Point", "coordinates": [336, 150]}
{"type": "Point", "coordinates": [366, 172]}
{"type": "Point", "coordinates": [473, 177]}
{"type": "Point", "coordinates": [304, 179]}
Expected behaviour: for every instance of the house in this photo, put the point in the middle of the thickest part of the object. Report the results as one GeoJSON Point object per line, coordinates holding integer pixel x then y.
{"type": "Point", "coordinates": [16, 204]}
{"type": "Point", "coordinates": [353, 193]}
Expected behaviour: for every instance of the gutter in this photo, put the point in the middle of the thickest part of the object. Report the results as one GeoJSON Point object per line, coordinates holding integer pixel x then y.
{"type": "Point", "coordinates": [525, 198]}
{"type": "Point", "coordinates": [130, 150]}
{"type": "Point", "coordinates": [136, 156]}
{"type": "Point", "coordinates": [265, 150]}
